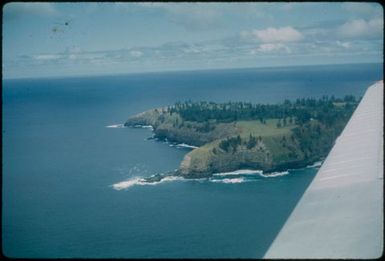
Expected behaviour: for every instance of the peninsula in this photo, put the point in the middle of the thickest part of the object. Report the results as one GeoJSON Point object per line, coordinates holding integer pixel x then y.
{"type": "Point", "coordinates": [241, 135]}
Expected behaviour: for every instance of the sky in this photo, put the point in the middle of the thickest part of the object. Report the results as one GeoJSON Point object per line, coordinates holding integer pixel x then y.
{"type": "Point", "coordinates": [72, 39]}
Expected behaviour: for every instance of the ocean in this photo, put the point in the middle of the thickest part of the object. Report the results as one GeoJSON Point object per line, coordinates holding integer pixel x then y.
{"type": "Point", "coordinates": [64, 150]}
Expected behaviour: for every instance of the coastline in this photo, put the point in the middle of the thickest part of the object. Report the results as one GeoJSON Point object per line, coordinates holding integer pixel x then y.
{"type": "Point", "coordinates": [232, 177]}
{"type": "Point", "coordinates": [143, 123]}
{"type": "Point", "coordinates": [222, 139]}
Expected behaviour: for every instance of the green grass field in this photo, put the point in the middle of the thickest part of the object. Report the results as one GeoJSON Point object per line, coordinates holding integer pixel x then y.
{"type": "Point", "coordinates": [256, 128]}
{"type": "Point", "coordinates": [202, 155]}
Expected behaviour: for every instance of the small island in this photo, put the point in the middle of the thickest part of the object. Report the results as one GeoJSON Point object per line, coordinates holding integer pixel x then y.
{"type": "Point", "coordinates": [241, 135]}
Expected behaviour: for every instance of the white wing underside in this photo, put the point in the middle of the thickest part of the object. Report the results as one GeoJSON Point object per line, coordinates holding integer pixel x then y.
{"type": "Point", "coordinates": [340, 214]}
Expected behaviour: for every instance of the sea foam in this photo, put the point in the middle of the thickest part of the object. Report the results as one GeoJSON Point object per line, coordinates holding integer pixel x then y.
{"type": "Point", "coordinates": [241, 176]}
{"type": "Point", "coordinates": [184, 145]}
{"type": "Point", "coordinates": [229, 180]}
{"type": "Point", "coordinates": [144, 126]}
{"type": "Point", "coordinates": [274, 174]}
{"type": "Point", "coordinates": [141, 181]}
{"type": "Point", "coordinates": [115, 126]}
{"type": "Point", "coordinates": [239, 172]}
{"type": "Point", "coordinates": [315, 165]}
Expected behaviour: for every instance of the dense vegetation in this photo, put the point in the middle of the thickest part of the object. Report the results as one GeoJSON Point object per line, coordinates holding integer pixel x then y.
{"type": "Point", "coordinates": [231, 144]}
{"type": "Point", "coordinates": [326, 110]}
{"type": "Point", "coordinates": [234, 135]}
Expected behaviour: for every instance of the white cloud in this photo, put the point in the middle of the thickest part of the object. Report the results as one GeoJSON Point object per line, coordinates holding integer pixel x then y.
{"type": "Point", "coordinates": [344, 44]}
{"type": "Point", "coordinates": [72, 57]}
{"type": "Point", "coordinates": [135, 53]}
{"type": "Point", "coordinates": [362, 28]}
{"type": "Point", "coordinates": [193, 49]}
{"type": "Point", "coordinates": [47, 56]}
{"type": "Point", "coordinates": [271, 48]}
{"type": "Point", "coordinates": [274, 35]}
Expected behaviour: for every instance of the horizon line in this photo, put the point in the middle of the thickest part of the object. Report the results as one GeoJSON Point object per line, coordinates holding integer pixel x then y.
{"type": "Point", "coordinates": [180, 71]}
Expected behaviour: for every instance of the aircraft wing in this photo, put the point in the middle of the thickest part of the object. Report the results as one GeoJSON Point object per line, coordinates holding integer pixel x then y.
{"type": "Point", "coordinates": [340, 214]}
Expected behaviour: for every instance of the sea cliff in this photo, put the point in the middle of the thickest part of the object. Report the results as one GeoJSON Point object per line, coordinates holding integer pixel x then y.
{"type": "Point", "coordinates": [227, 141]}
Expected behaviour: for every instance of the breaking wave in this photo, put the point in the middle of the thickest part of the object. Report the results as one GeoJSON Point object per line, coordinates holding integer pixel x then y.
{"type": "Point", "coordinates": [115, 126]}
{"type": "Point", "coordinates": [234, 177]}
{"type": "Point", "coordinates": [184, 145]}
{"type": "Point", "coordinates": [144, 127]}
{"type": "Point", "coordinates": [239, 172]}
{"type": "Point", "coordinates": [274, 174]}
{"type": "Point", "coordinates": [142, 182]}
{"type": "Point", "coordinates": [229, 180]}
{"type": "Point", "coordinates": [315, 165]}
{"type": "Point", "coordinates": [180, 145]}
{"type": "Point", "coordinates": [244, 175]}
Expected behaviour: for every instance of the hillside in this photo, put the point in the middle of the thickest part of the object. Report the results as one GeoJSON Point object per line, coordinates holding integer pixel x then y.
{"type": "Point", "coordinates": [233, 136]}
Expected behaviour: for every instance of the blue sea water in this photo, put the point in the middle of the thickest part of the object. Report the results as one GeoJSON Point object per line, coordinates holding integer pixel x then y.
{"type": "Point", "coordinates": [60, 162]}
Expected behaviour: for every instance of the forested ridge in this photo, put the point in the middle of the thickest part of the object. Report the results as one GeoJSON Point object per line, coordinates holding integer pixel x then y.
{"type": "Point", "coordinates": [326, 110]}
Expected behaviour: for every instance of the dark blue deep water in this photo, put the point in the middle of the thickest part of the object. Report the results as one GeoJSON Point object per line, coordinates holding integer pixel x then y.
{"type": "Point", "coordinates": [60, 162]}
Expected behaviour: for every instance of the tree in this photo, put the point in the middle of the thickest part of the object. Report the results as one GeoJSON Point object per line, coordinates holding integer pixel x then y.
{"type": "Point", "coordinates": [252, 142]}
{"type": "Point", "coordinates": [279, 124]}
{"type": "Point", "coordinates": [224, 145]}
{"type": "Point", "coordinates": [283, 140]}
{"type": "Point", "coordinates": [239, 140]}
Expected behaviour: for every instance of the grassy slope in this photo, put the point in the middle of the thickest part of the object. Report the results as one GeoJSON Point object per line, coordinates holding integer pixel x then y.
{"type": "Point", "coordinates": [256, 128]}
{"type": "Point", "coordinates": [204, 158]}
{"type": "Point", "coordinates": [169, 126]}
{"type": "Point", "coordinates": [202, 154]}
{"type": "Point", "coordinates": [278, 148]}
